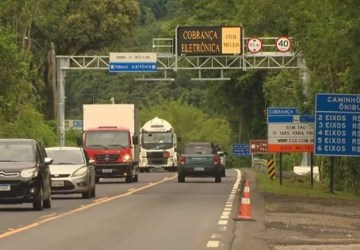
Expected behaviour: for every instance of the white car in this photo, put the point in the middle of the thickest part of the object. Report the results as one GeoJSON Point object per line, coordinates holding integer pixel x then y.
{"type": "Point", "coordinates": [71, 171]}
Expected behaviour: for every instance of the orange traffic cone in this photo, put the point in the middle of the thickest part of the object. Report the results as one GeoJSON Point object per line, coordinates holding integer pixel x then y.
{"type": "Point", "coordinates": [244, 212]}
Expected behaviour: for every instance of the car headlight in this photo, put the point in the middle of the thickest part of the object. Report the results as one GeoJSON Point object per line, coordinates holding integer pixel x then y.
{"type": "Point", "coordinates": [29, 173]}
{"type": "Point", "coordinates": [80, 172]}
{"type": "Point", "coordinates": [127, 158]}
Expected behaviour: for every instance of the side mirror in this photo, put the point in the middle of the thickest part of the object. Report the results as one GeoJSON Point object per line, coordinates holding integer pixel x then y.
{"type": "Point", "coordinates": [91, 162]}
{"type": "Point", "coordinates": [135, 139]}
{"type": "Point", "coordinates": [48, 160]}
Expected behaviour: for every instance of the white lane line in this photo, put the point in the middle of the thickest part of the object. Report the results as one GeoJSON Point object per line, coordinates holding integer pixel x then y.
{"type": "Point", "coordinates": [224, 217]}
{"type": "Point", "coordinates": [213, 244]}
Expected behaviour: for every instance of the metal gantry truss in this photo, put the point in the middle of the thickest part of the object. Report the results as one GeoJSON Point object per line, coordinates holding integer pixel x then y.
{"type": "Point", "coordinates": [169, 62]}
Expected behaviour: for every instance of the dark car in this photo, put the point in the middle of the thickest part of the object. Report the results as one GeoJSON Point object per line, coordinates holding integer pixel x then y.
{"type": "Point", "coordinates": [199, 160]}
{"type": "Point", "coordinates": [24, 173]}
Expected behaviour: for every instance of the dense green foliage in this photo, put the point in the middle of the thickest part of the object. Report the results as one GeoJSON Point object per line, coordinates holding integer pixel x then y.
{"type": "Point", "coordinates": [326, 35]}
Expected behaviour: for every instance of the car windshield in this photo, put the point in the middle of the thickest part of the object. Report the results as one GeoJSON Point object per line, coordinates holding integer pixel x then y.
{"type": "Point", "coordinates": [198, 149]}
{"type": "Point", "coordinates": [64, 156]}
{"type": "Point", "coordinates": [16, 151]}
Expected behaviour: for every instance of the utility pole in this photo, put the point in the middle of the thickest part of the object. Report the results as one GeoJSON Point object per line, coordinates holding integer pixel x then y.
{"type": "Point", "coordinates": [52, 78]}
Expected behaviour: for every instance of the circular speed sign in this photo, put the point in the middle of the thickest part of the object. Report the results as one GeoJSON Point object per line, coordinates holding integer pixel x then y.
{"type": "Point", "coordinates": [283, 44]}
{"type": "Point", "coordinates": [254, 45]}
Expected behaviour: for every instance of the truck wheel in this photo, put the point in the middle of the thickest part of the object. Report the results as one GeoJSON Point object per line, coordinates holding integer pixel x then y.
{"type": "Point", "coordinates": [181, 177]}
{"type": "Point", "coordinates": [218, 177]}
{"type": "Point", "coordinates": [129, 178]}
{"type": "Point", "coordinates": [223, 172]}
{"type": "Point", "coordinates": [136, 178]}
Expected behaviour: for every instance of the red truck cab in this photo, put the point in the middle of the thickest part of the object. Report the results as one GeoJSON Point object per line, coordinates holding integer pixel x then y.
{"type": "Point", "coordinates": [111, 148]}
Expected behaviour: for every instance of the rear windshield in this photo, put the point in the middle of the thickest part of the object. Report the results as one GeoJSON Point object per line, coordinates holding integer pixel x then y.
{"type": "Point", "coordinates": [198, 149]}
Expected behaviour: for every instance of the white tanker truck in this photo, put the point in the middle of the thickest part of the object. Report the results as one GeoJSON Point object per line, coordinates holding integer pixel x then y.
{"type": "Point", "coordinates": [158, 146]}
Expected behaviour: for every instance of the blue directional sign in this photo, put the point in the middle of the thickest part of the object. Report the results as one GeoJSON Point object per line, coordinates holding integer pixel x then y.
{"type": "Point", "coordinates": [241, 149]}
{"type": "Point", "coordinates": [132, 67]}
{"type": "Point", "coordinates": [337, 124]}
{"type": "Point", "coordinates": [133, 62]}
{"type": "Point", "coordinates": [78, 123]}
{"type": "Point", "coordinates": [290, 118]}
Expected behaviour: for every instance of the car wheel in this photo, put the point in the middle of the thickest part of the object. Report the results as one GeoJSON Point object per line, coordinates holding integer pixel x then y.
{"type": "Point", "coordinates": [97, 179]}
{"type": "Point", "coordinates": [218, 177]}
{"type": "Point", "coordinates": [181, 177]}
{"type": "Point", "coordinates": [223, 173]}
{"type": "Point", "coordinates": [38, 200]}
{"type": "Point", "coordinates": [47, 202]}
{"type": "Point", "coordinates": [87, 194]}
{"type": "Point", "coordinates": [93, 192]}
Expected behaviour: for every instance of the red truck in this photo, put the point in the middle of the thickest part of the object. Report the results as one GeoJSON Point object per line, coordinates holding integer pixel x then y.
{"type": "Point", "coordinates": [110, 138]}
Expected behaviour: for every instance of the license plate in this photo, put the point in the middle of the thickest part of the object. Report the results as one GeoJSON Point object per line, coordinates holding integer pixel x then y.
{"type": "Point", "coordinates": [5, 187]}
{"type": "Point", "coordinates": [57, 183]}
{"type": "Point", "coordinates": [107, 170]}
{"type": "Point", "coordinates": [199, 169]}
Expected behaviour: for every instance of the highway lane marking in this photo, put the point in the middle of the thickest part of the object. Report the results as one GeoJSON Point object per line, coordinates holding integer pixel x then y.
{"type": "Point", "coordinates": [225, 215]}
{"type": "Point", "coordinates": [48, 215]}
{"type": "Point", "coordinates": [213, 244]}
{"type": "Point", "coordinates": [54, 216]}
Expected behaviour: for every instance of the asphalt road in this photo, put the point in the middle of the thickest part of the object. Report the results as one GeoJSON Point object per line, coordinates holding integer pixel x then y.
{"type": "Point", "coordinates": [155, 213]}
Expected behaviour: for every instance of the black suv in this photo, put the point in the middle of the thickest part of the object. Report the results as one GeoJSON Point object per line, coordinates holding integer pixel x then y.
{"type": "Point", "coordinates": [24, 173]}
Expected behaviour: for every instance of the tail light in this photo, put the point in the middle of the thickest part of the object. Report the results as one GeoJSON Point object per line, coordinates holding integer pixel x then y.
{"type": "Point", "coordinates": [216, 160]}
{"type": "Point", "coordinates": [166, 154]}
{"type": "Point", "coordinates": [182, 160]}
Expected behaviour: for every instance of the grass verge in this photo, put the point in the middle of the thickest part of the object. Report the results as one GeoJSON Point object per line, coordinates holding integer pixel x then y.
{"type": "Point", "coordinates": [299, 187]}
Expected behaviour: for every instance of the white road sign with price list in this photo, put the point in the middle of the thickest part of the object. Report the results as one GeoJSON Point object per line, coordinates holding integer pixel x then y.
{"type": "Point", "coordinates": [337, 124]}
{"type": "Point", "coordinates": [288, 131]}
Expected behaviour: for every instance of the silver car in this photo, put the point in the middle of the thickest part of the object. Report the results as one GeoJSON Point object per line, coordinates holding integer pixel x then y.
{"type": "Point", "coordinates": [71, 171]}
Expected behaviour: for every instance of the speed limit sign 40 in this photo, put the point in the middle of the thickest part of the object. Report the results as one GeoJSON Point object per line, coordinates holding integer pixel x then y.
{"type": "Point", "coordinates": [283, 44]}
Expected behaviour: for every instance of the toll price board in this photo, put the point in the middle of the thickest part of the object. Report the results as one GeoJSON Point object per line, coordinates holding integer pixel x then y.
{"type": "Point", "coordinates": [289, 131]}
{"type": "Point", "coordinates": [337, 124]}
